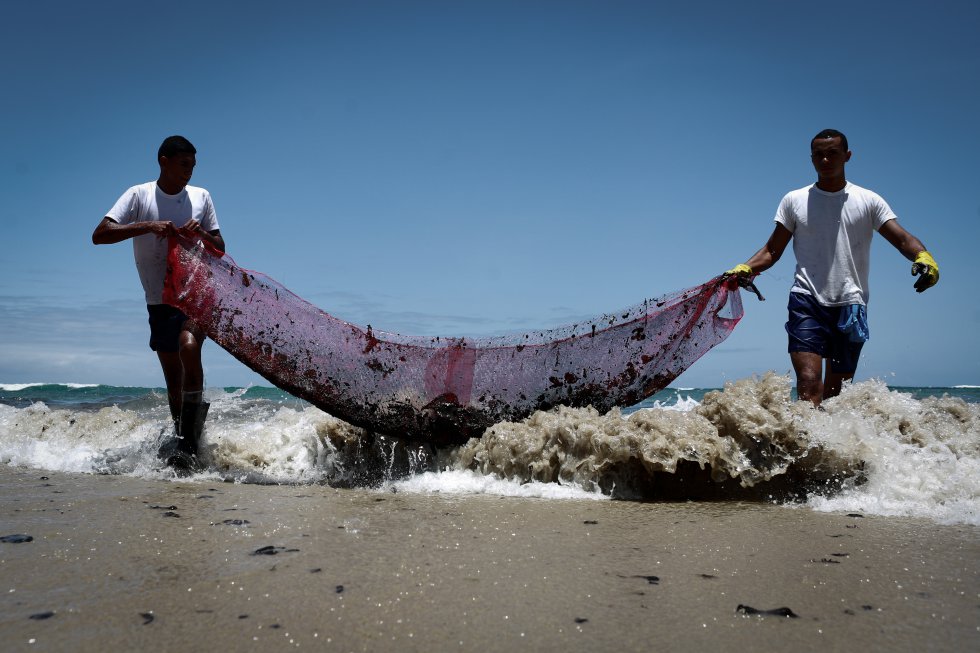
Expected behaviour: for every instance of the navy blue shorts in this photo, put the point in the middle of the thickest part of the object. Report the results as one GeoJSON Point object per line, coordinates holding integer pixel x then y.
{"type": "Point", "coordinates": [166, 323]}
{"type": "Point", "coordinates": [813, 328]}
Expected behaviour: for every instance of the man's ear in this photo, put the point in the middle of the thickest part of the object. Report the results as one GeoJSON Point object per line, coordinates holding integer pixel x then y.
{"type": "Point", "coordinates": [847, 157]}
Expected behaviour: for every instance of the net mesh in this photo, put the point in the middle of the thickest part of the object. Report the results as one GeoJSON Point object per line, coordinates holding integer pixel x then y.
{"type": "Point", "coordinates": [445, 390]}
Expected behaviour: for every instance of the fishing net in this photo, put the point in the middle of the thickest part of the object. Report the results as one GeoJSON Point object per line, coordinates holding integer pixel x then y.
{"type": "Point", "coordinates": [444, 390]}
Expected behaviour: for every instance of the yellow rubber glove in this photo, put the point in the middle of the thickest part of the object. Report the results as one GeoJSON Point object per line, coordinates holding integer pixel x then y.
{"type": "Point", "coordinates": [740, 270]}
{"type": "Point", "coordinates": [928, 270]}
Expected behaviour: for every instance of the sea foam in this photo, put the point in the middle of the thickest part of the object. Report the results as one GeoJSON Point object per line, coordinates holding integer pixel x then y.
{"type": "Point", "coordinates": [872, 449]}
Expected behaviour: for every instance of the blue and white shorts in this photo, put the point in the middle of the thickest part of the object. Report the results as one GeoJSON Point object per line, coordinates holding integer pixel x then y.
{"type": "Point", "coordinates": [813, 328]}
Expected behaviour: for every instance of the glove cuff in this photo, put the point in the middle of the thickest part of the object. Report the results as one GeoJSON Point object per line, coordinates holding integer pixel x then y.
{"type": "Point", "coordinates": [741, 269]}
{"type": "Point", "coordinates": [925, 258]}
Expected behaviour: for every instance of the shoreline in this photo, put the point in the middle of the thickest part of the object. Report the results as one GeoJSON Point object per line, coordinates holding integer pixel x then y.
{"type": "Point", "coordinates": [119, 562]}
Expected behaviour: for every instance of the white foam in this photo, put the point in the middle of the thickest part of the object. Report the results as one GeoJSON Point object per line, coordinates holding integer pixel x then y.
{"type": "Point", "coordinates": [467, 482]}
{"type": "Point", "coordinates": [288, 446]}
{"type": "Point", "coordinates": [71, 441]}
{"type": "Point", "coordinates": [921, 457]}
{"type": "Point", "coordinates": [895, 455]}
{"type": "Point", "coordinates": [899, 455]}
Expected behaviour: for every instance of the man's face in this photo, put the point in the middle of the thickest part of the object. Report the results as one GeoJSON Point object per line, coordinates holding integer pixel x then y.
{"type": "Point", "coordinates": [829, 157]}
{"type": "Point", "coordinates": [178, 168]}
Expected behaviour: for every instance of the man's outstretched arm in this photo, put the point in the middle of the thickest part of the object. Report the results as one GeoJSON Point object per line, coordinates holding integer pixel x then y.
{"type": "Point", "coordinates": [766, 257]}
{"type": "Point", "coordinates": [912, 248]}
{"type": "Point", "coordinates": [903, 241]}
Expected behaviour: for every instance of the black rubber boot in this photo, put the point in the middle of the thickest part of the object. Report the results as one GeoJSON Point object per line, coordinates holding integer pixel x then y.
{"type": "Point", "coordinates": [189, 430]}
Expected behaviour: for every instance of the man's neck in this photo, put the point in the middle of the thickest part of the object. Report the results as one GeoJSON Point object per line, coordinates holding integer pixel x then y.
{"type": "Point", "coordinates": [831, 185]}
{"type": "Point", "coordinates": [169, 187]}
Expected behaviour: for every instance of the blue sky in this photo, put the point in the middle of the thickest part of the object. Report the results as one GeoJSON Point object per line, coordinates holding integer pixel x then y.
{"type": "Point", "coordinates": [476, 168]}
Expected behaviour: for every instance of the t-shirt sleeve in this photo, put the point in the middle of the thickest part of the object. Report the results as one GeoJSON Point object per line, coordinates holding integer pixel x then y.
{"type": "Point", "coordinates": [786, 213]}
{"type": "Point", "coordinates": [126, 210]}
{"type": "Point", "coordinates": [209, 219]}
{"type": "Point", "coordinates": [880, 211]}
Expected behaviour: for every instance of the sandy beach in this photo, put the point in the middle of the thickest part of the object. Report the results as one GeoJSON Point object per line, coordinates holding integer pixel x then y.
{"type": "Point", "coordinates": [120, 563]}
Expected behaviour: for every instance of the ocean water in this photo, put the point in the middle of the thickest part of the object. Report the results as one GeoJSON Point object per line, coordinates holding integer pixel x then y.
{"type": "Point", "coordinates": [875, 449]}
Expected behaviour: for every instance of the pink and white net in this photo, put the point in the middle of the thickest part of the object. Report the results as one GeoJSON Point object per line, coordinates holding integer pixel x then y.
{"type": "Point", "coordinates": [444, 390]}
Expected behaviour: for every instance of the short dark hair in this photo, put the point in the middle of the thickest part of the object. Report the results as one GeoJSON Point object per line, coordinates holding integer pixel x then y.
{"type": "Point", "coordinates": [831, 133]}
{"type": "Point", "coordinates": [172, 145]}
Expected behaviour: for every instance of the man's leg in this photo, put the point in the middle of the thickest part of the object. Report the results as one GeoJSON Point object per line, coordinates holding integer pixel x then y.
{"type": "Point", "coordinates": [193, 409]}
{"type": "Point", "coordinates": [164, 340]}
{"type": "Point", "coordinates": [841, 365]}
{"type": "Point", "coordinates": [833, 382]}
{"type": "Point", "coordinates": [173, 374]}
{"type": "Point", "coordinates": [809, 376]}
{"type": "Point", "coordinates": [182, 371]}
{"type": "Point", "coordinates": [190, 358]}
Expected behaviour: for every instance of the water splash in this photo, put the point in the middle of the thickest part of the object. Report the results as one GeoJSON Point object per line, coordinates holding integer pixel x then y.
{"type": "Point", "coordinates": [873, 450]}
{"type": "Point", "coordinates": [735, 440]}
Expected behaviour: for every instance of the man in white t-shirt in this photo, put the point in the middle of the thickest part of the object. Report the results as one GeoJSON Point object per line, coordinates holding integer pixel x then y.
{"type": "Point", "coordinates": [831, 224]}
{"type": "Point", "coordinates": [148, 213]}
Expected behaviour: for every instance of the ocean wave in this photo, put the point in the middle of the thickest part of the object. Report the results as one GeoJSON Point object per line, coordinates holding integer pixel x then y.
{"type": "Point", "coordinates": [17, 387]}
{"type": "Point", "coordinates": [872, 449]}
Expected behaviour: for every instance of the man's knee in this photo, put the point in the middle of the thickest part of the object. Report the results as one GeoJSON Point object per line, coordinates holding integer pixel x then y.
{"type": "Point", "coordinates": [809, 375]}
{"type": "Point", "coordinates": [190, 341]}
{"type": "Point", "coordinates": [809, 384]}
{"type": "Point", "coordinates": [807, 364]}
{"type": "Point", "coordinates": [190, 351]}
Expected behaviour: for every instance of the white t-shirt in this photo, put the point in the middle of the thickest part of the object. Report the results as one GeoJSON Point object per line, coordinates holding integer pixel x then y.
{"type": "Point", "coordinates": [147, 203]}
{"type": "Point", "coordinates": [832, 235]}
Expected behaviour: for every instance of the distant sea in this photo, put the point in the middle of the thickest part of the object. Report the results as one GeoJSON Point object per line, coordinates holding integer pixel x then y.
{"type": "Point", "coordinates": [95, 396]}
{"type": "Point", "coordinates": [906, 451]}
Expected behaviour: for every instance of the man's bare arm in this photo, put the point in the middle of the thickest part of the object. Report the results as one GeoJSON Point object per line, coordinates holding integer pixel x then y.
{"type": "Point", "coordinates": [214, 237]}
{"type": "Point", "coordinates": [109, 231]}
{"type": "Point", "coordinates": [766, 257]}
{"type": "Point", "coordinates": [903, 241]}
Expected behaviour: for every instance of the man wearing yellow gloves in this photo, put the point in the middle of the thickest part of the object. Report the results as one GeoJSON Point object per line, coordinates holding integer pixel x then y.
{"type": "Point", "coordinates": [831, 224]}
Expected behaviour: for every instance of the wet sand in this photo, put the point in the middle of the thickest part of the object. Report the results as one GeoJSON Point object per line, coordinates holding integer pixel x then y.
{"type": "Point", "coordinates": [120, 563]}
